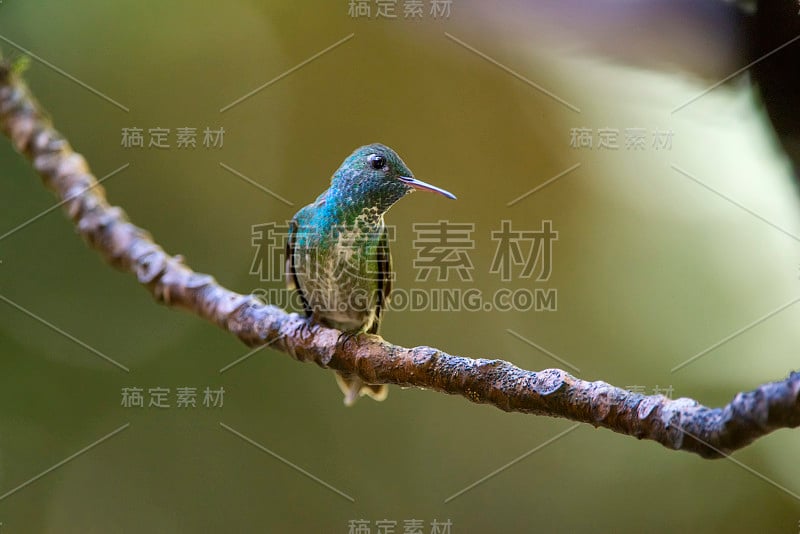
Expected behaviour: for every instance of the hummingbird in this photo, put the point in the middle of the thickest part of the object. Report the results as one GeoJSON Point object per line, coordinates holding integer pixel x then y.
{"type": "Point", "coordinates": [337, 249]}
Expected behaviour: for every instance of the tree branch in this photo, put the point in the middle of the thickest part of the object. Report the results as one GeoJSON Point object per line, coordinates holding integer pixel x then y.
{"type": "Point", "coordinates": [681, 424]}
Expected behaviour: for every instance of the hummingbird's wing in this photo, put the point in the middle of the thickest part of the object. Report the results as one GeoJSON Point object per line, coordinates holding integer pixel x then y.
{"type": "Point", "coordinates": [384, 265]}
{"type": "Point", "coordinates": [291, 275]}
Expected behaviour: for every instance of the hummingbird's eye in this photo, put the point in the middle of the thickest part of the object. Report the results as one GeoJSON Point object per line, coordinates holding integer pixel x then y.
{"type": "Point", "coordinates": [376, 162]}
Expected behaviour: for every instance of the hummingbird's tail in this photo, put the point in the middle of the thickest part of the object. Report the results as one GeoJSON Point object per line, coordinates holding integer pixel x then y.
{"type": "Point", "coordinates": [353, 388]}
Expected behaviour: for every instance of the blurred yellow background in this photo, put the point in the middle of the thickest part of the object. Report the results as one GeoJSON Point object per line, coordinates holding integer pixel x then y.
{"type": "Point", "coordinates": [651, 267]}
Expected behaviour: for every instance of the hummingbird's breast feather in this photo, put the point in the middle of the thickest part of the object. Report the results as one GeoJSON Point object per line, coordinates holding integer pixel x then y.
{"type": "Point", "coordinates": [336, 267]}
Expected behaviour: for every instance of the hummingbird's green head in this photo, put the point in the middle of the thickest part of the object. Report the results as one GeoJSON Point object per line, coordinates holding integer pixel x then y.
{"type": "Point", "coordinates": [375, 176]}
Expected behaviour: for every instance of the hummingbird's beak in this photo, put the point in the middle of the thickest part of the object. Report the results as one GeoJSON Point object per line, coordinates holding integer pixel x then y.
{"type": "Point", "coordinates": [424, 186]}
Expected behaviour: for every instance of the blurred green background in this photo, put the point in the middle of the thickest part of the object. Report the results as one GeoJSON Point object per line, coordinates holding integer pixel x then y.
{"type": "Point", "coordinates": [651, 267]}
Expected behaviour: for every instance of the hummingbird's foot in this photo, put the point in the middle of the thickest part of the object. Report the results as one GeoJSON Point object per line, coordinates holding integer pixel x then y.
{"type": "Point", "coordinates": [303, 330]}
{"type": "Point", "coordinates": [346, 337]}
